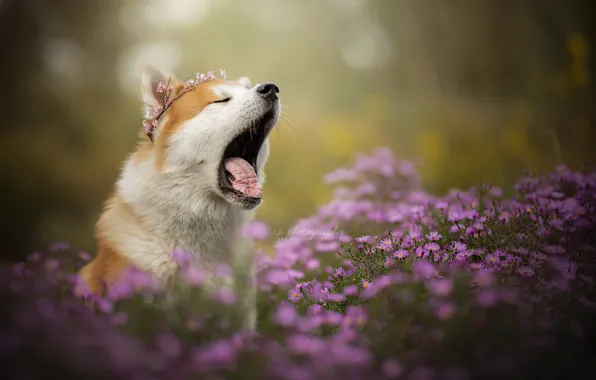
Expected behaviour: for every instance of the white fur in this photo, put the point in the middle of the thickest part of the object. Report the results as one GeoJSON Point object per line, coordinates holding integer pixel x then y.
{"type": "Point", "coordinates": [181, 207]}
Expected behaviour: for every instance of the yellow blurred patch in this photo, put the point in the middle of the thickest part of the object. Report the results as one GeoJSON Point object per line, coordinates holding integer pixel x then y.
{"type": "Point", "coordinates": [432, 146]}
{"type": "Point", "coordinates": [515, 138]}
{"type": "Point", "coordinates": [339, 138]}
{"type": "Point", "coordinates": [321, 193]}
{"type": "Point", "coordinates": [577, 46]}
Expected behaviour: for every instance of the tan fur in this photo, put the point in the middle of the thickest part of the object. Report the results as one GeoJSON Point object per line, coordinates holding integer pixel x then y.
{"type": "Point", "coordinates": [109, 264]}
{"type": "Point", "coordinates": [185, 108]}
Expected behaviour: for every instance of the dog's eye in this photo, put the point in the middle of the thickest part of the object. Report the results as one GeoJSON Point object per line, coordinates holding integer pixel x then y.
{"type": "Point", "coordinates": [223, 100]}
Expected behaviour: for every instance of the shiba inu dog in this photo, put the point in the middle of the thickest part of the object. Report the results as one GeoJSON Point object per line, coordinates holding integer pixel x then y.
{"type": "Point", "coordinates": [192, 184]}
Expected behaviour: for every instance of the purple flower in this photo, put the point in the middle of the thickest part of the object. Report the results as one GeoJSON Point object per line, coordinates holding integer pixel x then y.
{"type": "Point", "coordinates": [459, 246]}
{"type": "Point", "coordinates": [445, 310]}
{"type": "Point", "coordinates": [389, 261]}
{"type": "Point", "coordinates": [223, 270]}
{"type": "Point", "coordinates": [350, 290]}
{"type": "Point", "coordinates": [432, 247]}
{"type": "Point", "coordinates": [315, 309]}
{"type": "Point", "coordinates": [401, 254]}
{"type": "Point", "coordinates": [434, 236]}
{"type": "Point", "coordinates": [104, 305]}
{"type": "Point", "coordinates": [326, 246]}
{"type": "Point", "coordinates": [19, 269]}
{"type": "Point", "coordinates": [424, 269]}
{"type": "Point", "coordinates": [554, 249]}
{"type": "Point", "coordinates": [339, 272]}
{"type": "Point", "coordinates": [348, 355]}
{"type": "Point", "coordinates": [84, 256]}
{"type": "Point", "coordinates": [483, 278]}
{"type": "Point", "coordinates": [294, 295]}
{"type": "Point", "coordinates": [182, 257]}
{"type": "Point", "coordinates": [60, 246]}
{"type": "Point", "coordinates": [193, 276]}
{"type": "Point", "coordinates": [420, 252]}
{"type": "Point", "coordinates": [217, 353]}
{"type": "Point", "coordinates": [333, 318]}
{"type": "Point", "coordinates": [391, 368]}
{"type": "Point", "coordinates": [257, 230]}
{"type": "Point", "coordinates": [286, 315]}
{"type": "Point", "coordinates": [487, 298]}
{"type": "Point", "coordinates": [51, 265]}
{"type": "Point", "coordinates": [224, 296]}
{"type": "Point", "coordinates": [355, 315]}
{"type": "Point", "coordinates": [119, 318]}
{"type": "Point", "coordinates": [455, 217]}
{"type": "Point", "coordinates": [363, 239]}
{"type": "Point", "coordinates": [312, 264]}
{"type": "Point", "coordinates": [169, 345]}
{"type": "Point", "coordinates": [303, 344]}
{"type": "Point", "coordinates": [492, 259]}
{"type": "Point", "coordinates": [526, 271]}
{"type": "Point", "coordinates": [333, 297]}
{"type": "Point", "coordinates": [441, 287]}
{"type": "Point", "coordinates": [120, 290]}
{"type": "Point", "coordinates": [385, 244]}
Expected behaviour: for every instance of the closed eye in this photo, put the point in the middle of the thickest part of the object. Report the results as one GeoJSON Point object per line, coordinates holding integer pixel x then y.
{"type": "Point", "coordinates": [223, 100]}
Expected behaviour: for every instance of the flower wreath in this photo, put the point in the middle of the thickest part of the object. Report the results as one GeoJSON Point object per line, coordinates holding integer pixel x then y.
{"type": "Point", "coordinates": [151, 120]}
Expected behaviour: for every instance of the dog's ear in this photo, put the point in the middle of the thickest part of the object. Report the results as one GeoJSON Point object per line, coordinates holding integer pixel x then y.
{"type": "Point", "coordinates": [244, 82]}
{"type": "Point", "coordinates": [154, 82]}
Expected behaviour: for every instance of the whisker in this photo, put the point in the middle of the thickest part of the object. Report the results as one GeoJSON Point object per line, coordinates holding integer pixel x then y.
{"type": "Point", "coordinates": [286, 119]}
{"type": "Point", "coordinates": [289, 129]}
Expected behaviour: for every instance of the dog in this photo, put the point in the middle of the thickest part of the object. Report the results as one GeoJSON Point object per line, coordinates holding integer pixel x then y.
{"type": "Point", "coordinates": [192, 184]}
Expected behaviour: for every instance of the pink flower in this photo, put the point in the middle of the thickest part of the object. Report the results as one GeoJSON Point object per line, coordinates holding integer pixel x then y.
{"type": "Point", "coordinates": [224, 296]}
{"type": "Point", "coordinates": [286, 315]}
{"type": "Point", "coordinates": [401, 254]}
{"type": "Point", "coordinates": [313, 264]}
{"type": "Point", "coordinates": [445, 310]}
{"type": "Point", "coordinates": [294, 295]}
{"type": "Point", "coordinates": [193, 276]}
{"type": "Point", "coordinates": [389, 261]}
{"type": "Point", "coordinates": [441, 287]}
{"type": "Point", "coordinates": [350, 290]}
{"type": "Point", "coordinates": [169, 345]}
{"type": "Point", "coordinates": [385, 244]}
{"type": "Point", "coordinates": [257, 230]}
{"type": "Point", "coordinates": [526, 271]}
{"type": "Point", "coordinates": [434, 236]}
{"type": "Point", "coordinates": [391, 368]}
{"type": "Point", "coordinates": [432, 247]}
{"type": "Point", "coordinates": [181, 257]}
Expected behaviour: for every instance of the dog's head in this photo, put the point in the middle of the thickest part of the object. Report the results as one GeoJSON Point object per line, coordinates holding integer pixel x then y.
{"type": "Point", "coordinates": [217, 131]}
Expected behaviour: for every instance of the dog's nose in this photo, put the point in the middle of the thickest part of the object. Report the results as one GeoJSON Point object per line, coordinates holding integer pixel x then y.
{"type": "Point", "coordinates": [268, 90]}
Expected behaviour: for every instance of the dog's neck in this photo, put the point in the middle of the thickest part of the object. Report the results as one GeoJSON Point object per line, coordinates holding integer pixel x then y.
{"type": "Point", "coordinates": [180, 209]}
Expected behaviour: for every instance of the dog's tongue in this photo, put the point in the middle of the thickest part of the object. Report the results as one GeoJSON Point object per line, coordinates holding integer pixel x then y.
{"type": "Point", "coordinates": [243, 177]}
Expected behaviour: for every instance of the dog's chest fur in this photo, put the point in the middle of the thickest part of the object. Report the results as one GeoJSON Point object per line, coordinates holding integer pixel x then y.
{"type": "Point", "coordinates": [175, 213]}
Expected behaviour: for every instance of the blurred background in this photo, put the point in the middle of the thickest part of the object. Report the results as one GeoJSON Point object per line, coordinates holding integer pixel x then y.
{"type": "Point", "coordinates": [479, 90]}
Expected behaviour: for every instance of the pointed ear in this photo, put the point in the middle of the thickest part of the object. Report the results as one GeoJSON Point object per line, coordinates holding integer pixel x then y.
{"type": "Point", "coordinates": [151, 77]}
{"type": "Point", "coordinates": [245, 82]}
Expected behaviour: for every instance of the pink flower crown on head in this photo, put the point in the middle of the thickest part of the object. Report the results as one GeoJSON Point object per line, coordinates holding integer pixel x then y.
{"type": "Point", "coordinates": [153, 115]}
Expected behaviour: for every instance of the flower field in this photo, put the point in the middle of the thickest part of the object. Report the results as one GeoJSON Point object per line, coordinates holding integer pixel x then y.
{"type": "Point", "coordinates": [385, 281]}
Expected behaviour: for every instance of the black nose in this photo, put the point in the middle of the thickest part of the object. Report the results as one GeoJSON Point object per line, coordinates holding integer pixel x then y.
{"type": "Point", "coordinates": [268, 90]}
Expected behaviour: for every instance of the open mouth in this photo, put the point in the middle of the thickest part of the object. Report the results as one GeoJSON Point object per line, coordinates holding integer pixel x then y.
{"type": "Point", "coordinates": [238, 168]}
